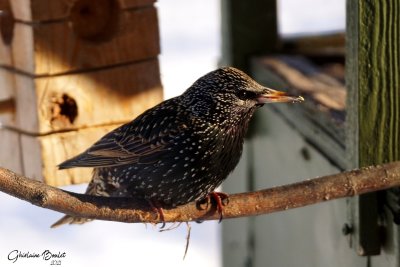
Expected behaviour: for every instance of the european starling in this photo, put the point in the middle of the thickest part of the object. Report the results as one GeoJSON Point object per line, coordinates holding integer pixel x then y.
{"type": "Point", "coordinates": [180, 150]}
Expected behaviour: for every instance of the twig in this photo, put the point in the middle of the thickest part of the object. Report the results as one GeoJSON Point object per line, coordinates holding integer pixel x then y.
{"type": "Point", "coordinates": [265, 201]}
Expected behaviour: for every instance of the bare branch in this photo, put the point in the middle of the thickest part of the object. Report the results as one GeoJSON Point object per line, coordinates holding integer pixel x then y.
{"type": "Point", "coordinates": [265, 201]}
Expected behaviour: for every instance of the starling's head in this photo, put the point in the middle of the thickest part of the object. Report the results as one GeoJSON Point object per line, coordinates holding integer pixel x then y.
{"type": "Point", "coordinates": [229, 90]}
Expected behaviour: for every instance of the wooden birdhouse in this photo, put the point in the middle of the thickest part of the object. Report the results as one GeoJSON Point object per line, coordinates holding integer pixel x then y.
{"type": "Point", "coordinates": [72, 70]}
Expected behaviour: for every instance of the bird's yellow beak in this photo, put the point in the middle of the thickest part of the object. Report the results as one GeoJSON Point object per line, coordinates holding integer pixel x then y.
{"type": "Point", "coordinates": [274, 96]}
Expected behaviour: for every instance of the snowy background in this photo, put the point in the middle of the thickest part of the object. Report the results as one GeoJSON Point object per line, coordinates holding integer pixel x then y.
{"type": "Point", "coordinates": [190, 42]}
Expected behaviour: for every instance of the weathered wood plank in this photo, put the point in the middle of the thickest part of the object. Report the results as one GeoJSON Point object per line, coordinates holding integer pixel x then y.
{"type": "Point", "coordinates": [108, 96]}
{"type": "Point", "coordinates": [41, 155]}
{"type": "Point", "coordinates": [55, 48]}
{"type": "Point", "coordinates": [373, 77]}
{"type": "Point", "coordinates": [50, 10]}
{"type": "Point", "coordinates": [320, 119]}
{"type": "Point", "coordinates": [7, 97]}
{"type": "Point", "coordinates": [10, 147]}
{"type": "Point", "coordinates": [235, 247]}
{"type": "Point", "coordinates": [379, 94]}
{"type": "Point", "coordinates": [315, 45]}
{"type": "Point", "coordinates": [7, 84]}
{"type": "Point", "coordinates": [305, 78]}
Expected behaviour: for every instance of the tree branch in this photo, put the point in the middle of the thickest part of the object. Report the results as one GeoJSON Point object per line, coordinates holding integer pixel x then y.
{"type": "Point", "coordinates": [265, 201]}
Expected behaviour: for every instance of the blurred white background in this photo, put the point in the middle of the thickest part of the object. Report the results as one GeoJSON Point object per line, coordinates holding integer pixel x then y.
{"type": "Point", "coordinates": [190, 42]}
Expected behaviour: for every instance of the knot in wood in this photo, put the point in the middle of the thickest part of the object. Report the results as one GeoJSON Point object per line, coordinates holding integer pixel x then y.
{"type": "Point", "coordinates": [39, 198]}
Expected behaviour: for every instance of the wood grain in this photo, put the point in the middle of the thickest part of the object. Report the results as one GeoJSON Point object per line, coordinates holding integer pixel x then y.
{"type": "Point", "coordinates": [379, 101]}
{"type": "Point", "coordinates": [379, 76]}
{"type": "Point", "coordinates": [54, 48]}
{"type": "Point", "coordinates": [108, 96]}
{"type": "Point", "coordinates": [42, 154]}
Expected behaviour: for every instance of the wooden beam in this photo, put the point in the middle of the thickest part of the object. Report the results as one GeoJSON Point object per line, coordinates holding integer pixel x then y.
{"type": "Point", "coordinates": [373, 81]}
{"type": "Point", "coordinates": [248, 28]}
{"type": "Point", "coordinates": [379, 81]}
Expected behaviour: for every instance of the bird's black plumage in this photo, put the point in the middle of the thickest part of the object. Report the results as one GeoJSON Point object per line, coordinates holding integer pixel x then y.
{"type": "Point", "coordinates": [182, 149]}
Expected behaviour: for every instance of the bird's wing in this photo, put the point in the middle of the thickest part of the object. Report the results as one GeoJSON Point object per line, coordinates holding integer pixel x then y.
{"type": "Point", "coordinates": [143, 140]}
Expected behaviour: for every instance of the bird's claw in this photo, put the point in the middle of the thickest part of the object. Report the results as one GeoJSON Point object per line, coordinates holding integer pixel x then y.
{"type": "Point", "coordinates": [221, 200]}
{"type": "Point", "coordinates": [156, 208]}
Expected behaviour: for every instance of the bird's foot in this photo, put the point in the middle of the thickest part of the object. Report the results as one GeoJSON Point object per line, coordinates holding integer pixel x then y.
{"type": "Point", "coordinates": [220, 199]}
{"type": "Point", "coordinates": [157, 208]}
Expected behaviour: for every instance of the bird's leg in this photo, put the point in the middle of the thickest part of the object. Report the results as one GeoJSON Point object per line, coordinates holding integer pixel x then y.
{"type": "Point", "coordinates": [157, 208]}
{"type": "Point", "coordinates": [221, 199]}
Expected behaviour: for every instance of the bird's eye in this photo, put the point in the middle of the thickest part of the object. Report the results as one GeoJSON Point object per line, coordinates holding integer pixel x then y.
{"type": "Point", "coordinates": [244, 95]}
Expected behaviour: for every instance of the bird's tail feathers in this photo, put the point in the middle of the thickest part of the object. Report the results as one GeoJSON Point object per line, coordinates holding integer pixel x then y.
{"type": "Point", "coordinates": [67, 219]}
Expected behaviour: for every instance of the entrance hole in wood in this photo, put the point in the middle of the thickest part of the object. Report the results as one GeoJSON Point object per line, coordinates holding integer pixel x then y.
{"type": "Point", "coordinates": [64, 108]}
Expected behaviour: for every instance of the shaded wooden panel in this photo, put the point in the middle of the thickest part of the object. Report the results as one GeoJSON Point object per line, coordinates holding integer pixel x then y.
{"type": "Point", "coordinates": [10, 147]}
{"type": "Point", "coordinates": [41, 155]}
{"type": "Point", "coordinates": [7, 97]}
{"type": "Point", "coordinates": [307, 236]}
{"type": "Point", "coordinates": [81, 100]}
{"type": "Point", "coordinates": [5, 53]}
{"type": "Point", "coordinates": [55, 48]}
{"type": "Point", "coordinates": [7, 84]}
{"type": "Point", "coordinates": [45, 10]}
{"type": "Point", "coordinates": [236, 248]}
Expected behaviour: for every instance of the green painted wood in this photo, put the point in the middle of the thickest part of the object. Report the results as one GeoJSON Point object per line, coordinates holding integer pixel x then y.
{"type": "Point", "coordinates": [379, 76]}
{"type": "Point", "coordinates": [248, 28]}
{"type": "Point", "coordinates": [372, 78]}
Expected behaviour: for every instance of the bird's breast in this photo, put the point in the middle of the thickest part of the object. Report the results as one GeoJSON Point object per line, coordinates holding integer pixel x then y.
{"type": "Point", "coordinates": [222, 149]}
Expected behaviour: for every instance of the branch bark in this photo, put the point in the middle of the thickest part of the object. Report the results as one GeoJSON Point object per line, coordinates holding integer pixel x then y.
{"type": "Point", "coordinates": [265, 201]}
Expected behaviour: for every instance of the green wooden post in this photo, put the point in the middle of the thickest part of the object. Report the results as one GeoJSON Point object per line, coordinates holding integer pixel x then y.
{"type": "Point", "coordinates": [248, 28]}
{"type": "Point", "coordinates": [372, 63]}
